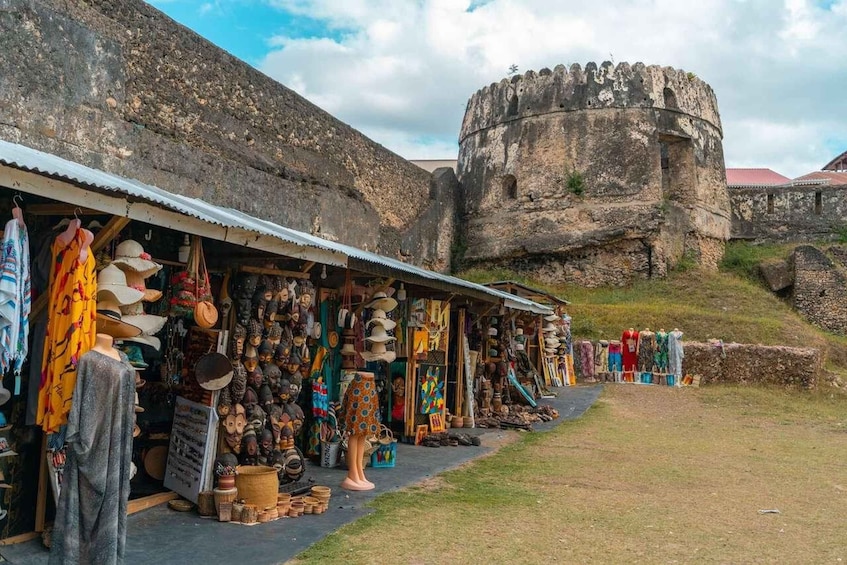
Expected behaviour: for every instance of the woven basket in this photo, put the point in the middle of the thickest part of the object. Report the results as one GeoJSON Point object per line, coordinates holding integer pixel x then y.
{"type": "Point", "coordinates": [257, 485]}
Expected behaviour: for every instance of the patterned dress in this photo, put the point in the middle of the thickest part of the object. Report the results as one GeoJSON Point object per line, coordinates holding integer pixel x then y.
{"type": "Point", "coordinates": [360, 406]}
{"type": "Point", "coordinates": [661, 355]}
{"type": "Point", "coordinates": [646, 349]}
{"type": "Point", "coordinates": [71, 328]}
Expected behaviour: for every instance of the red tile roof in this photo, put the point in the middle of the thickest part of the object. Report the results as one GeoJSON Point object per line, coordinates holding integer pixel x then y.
{"type": "Point", "coordinates": [754, 177]}
{"type": "Point", "coordinates": [823, 176]}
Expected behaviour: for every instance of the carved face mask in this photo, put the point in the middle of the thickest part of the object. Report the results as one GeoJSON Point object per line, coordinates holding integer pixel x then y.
{"type": "Point", "coordinates": [251, 361]}
{"type": "Point", "coordinates": [266, 352]}
{"type": "Point", "coordinates": [244, 308]}
{"type": "Point", "coordinates": [267, 441]}
{"type": "Point", "coordinates": [255, 378]}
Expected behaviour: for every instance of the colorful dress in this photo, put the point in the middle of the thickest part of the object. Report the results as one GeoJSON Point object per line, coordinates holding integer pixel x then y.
{"type": "Point", "coordinates": [71, 329]}
{"type": "Point", "coordinates": [661, 355]}
{"type": "Point", "coordinates": [629, 339]}
{"type": "Point", "coordinates": [360, 407]}
{"type": "Point", "coordinates": [646, 349]}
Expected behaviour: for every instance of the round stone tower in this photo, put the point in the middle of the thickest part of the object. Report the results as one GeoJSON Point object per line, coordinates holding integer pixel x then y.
{"type": "Point", "coordinates": [593, 176]}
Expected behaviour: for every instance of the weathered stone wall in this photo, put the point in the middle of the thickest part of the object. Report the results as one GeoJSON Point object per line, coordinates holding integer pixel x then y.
{"type": "Point", "coordinates": [753, 364]}
{"type": "Point", "coordinates": [116, 85]}
{"type": "Point", "coordinates": [788, 214]}
{"type": "Point", "coordinates": [820, 286]}
{"type": "Point", "coordinates": [646, 142]}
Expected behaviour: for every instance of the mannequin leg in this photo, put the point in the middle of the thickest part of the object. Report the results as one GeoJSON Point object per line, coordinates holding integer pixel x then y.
{"type": "Point", "coordinates": [360, 469]}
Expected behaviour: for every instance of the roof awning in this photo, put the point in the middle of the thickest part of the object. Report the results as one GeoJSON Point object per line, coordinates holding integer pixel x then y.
{"type": "Point", "coordinates": [35, 172]}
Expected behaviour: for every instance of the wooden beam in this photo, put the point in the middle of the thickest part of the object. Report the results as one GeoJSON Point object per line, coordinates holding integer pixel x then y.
{"type": "Point", "coordinates": [60, 209]}
{"type": "Point", "coordinates": [21, 538]}
{"type": "Point", "coordinates": [279, 272]}
{"type": "Point", "coordinates": [109, 232]}
{"type": "Point", "coordinates": [146, 502]}
{"type": "Point", "coordinates": [41, 497]}
{"type": "Point", "coordinates": [308, 266]}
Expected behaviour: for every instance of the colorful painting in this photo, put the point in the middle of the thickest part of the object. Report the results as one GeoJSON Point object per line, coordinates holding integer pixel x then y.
{"type": "Point", "coordinates": [431, 389]}
{"type": "Point", "coordinates": [420, 433]}
{"type": "Point", "coordinates": [421, 343]}
{"type": "Point", "coordinates": [436, 423]}
{"type": "Point", "coordinates": [417, 313]}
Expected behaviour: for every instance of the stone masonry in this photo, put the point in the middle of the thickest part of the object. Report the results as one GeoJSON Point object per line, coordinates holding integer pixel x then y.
{"type": "Point", "coordinates": [118, 86]}
{"type": "Point", "coordinates": [593, 176]}
{"type": "Point", "coordinates": [820, 286]}
{"type": "Point", "coordinates": [740, 363]}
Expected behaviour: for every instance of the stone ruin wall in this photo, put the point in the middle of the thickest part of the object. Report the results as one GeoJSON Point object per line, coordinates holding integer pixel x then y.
{"type": "Point", "coordinates": [819, 292]}
{"type": "Point", "coordinates": [118, 86]}
{"type": "Point", "coordinates": [522, 138]}
{"type": "Point", "coordinates": [741, 363]}
{"type": "Point", "coordinates": [790, 214]}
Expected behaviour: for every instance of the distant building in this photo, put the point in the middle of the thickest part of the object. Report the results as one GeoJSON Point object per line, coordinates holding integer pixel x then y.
{"type": "Point", "coordinates": [432, 164]}
{"type": "Point", "coordinates": [767, 206]}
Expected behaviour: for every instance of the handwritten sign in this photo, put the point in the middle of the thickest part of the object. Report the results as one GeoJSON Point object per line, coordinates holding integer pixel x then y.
{"type": "Point", "coordinates": [189, 464]}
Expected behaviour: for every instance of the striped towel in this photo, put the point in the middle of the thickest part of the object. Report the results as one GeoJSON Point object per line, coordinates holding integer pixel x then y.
{"type": "Point", "coordinates": [15, 297]}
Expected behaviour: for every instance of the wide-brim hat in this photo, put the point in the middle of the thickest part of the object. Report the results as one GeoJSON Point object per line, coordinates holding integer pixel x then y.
{"type": "Point", "coordinates": [5, 394]}
{"type": "Point", "coordinates": [149, 324]}
{"type": "Point", "coordinates": [134, 355]}
{"type": "Point", "coordinates": [150, 340]}
{"type": "Point", "coordinates": [130, 256]}
{"type": "Point", "coordinates": [213, 371]}
{"type": "Point", "coordinates": [550, 350]}
{"type": "Point", "coordinates": [382, 301]}
{"type": "Point", "coordinates": [348, 349]}
{"type": "Point", "coordinates": [387, 356]}
{"type": "Point", "coordinates": [138, 408]}
{"type": "Point", "coordinates": [549, 328]}
{"type": "Point", "coordinates": [379, 335]}
{"type": "Point", "coordinates": [551, 318]}
{"type": "Point", "coordinates": [3, 483]}
{"type": "Point", "coordinates": [492, 331]}
{"type": "Point", "coordinates": [109, 321]}
{"type": "Point", "coordinates": [378, 317]}
{"type": "Point", "coordinates": [111, 282]}
{"type": "Point", "coordinates": [552, 342]}
{"type": "Point", "coordinates": [136, 281]}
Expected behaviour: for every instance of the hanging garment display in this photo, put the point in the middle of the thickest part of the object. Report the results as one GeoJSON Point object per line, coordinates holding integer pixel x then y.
{"type": "Point", "coordinates": [646, 349]}
{"type": "Point", "coordinates": [90, 524]}
{"type": "Point", "coordinates": [601, 359]}
{"type": "Point", "coordinates": [71, 326]}
{"type": "Point", "coordinates": [615, 356]}
{"type": "Point", "coordinates": [15, 296]}
{"type": "Point", "coordinates": [675, 354]}
{"type": "Point", "coordinates": [660, 358]}
{"type": "Point", "coordinates": [586, 351]}
{"type": "Point", "coordinates": [629, 339]}
{"type": "Point", "coordinates": [432, 390]}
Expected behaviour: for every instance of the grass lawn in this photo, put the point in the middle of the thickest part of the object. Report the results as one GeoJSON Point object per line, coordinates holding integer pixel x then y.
{"type": "Point", "coordinates": [649, 474]}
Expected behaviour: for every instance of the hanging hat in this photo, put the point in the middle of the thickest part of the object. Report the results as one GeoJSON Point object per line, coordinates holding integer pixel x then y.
{"type": "Point", "coordinates": [138, 408]}
{"type": "Point", "coordinates": [382, 301]}
{"type": "Point", "coordinates": [549, 328]}
{"type": "Point", "coordinates": [519, 346]}
{"type": "Point", "coordinates": [551, 318]}
{"type": "Point", "coordinates": [550, 350]}
{"type": "Point", "coordinates": [379, 335]}
{"type": "Point", "coordinates": [348, 349]}
{"type": "Point", "coordinates": [150, 340]}
{"type": "Point", "coordinates": [213, 371]}
{"type": "Point", "coordinates": [518, 331]}
{"type": "Point", "coordinates": [3, 483]}
{"type": "Point", "coordinates": [552, 342]}
{"type": "Point", "coordinates": [112, 281]}
{"type": "Point", "coordinates": [136, 281]}
{"type": "Point", "coordinates": [346, 319]}
{"type": "Point", "coordinates": [136, 431]}
{"type": "Point", "coordinates": [109, 320]}
{"type": "Point", "coordinates": [317, 330]}
{"type": "Point", "coordinates": [492, 331]}
{"type": "Point", "coordinates": [130, 256]}
{"type": "Point", "coordinates": [139, 382]}
{"type": "Point", "coordinates": [379, 352]}
{"type": "Point", "coordinates": [149, 324]}
{"type": "Point", "coordinates": [134, 355]}
{"type": "Point", "coordinates": [379, 317]}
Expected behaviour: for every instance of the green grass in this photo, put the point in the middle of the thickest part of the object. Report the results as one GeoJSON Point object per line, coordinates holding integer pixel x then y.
{"type": "Point", "coordinates": [742, 259]}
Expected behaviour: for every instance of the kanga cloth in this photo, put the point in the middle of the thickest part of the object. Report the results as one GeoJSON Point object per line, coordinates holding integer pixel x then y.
{"type": "Point", "coordinates": [646, 348]}
{"type": "Point", "coordinates": [360, 406]}
{"type": "Point", "coordinates": [660, 358]}
{"type": "Point", "coordinates": [71, 327]}
{"type": "Point", "coordinates": [90, 525]}
{"type": "Point", "coordinates": [15, 298]}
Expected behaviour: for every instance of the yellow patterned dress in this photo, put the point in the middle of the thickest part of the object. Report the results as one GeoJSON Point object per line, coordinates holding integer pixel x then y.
{"type": "Point", "coordinates": [71, 328]}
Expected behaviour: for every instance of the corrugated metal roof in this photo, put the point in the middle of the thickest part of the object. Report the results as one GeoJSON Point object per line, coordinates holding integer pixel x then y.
{"type": "Point", "coordinates": [45, 164]}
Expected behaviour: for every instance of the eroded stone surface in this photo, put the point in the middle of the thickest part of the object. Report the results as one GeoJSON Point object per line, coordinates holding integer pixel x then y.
{"type": "Point", "coordinates": [743, 363]}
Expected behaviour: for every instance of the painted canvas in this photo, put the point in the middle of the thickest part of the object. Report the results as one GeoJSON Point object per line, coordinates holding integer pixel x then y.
{"type": "Point", "coordinates": [431, 389]}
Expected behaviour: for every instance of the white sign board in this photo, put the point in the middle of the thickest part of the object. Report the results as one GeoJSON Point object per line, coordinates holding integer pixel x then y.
{"type": "Point", "coordinates": [191, 449]}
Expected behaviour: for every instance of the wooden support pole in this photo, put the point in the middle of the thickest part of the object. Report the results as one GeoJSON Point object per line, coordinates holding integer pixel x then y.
{"type": "Point", "coordinates": [41, 497]}
{"type": "Point", "coordinates": [308, 266]}
{"type": "Point", "coordinates": [269, 271]}
{"type": "Point", "coordinates": [109, 232]}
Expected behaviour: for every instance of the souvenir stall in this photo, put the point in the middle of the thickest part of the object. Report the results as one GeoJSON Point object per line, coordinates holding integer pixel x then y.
{"type": "Point", "coordinates": [644, 357]}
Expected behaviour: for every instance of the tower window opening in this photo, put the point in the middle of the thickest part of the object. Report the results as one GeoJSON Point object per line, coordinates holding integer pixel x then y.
{"type": "Point", "coordinates": [770, 203]}
{"type": "Point", "coordinates": [510, 187]}
{"type": "Point", "coordinates": [818, 203]}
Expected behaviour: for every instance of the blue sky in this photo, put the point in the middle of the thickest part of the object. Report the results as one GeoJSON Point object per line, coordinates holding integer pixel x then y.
{"type": "Point", "coordinates": [401, 71]}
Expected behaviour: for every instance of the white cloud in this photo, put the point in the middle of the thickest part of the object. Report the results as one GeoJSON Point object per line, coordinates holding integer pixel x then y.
{"type": "Point", "coordinates": [402, 71]}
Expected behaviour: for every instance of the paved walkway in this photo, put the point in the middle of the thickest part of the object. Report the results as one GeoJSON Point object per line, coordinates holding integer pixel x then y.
{"type": "Point", "coordinates": [160, 535]}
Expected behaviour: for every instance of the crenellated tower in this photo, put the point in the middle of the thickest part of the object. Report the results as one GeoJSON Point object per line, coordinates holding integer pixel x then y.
{"type": "Point", "coordinates": [594, 176]}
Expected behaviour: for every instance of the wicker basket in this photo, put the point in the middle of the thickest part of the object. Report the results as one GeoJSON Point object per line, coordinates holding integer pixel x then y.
{"type": "Point", "coordinates": [257, 485]}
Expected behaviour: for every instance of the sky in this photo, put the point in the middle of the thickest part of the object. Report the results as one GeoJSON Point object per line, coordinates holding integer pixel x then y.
{"type": "Point", "coordinates": [401, 71]}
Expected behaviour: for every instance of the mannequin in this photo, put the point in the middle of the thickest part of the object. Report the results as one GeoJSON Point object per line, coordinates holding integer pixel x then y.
{"type": "Point", "coordinates": [90, 524]}
{"type": "Point", "coordinates": [629, 338]}
{"type": "Point", "coordinates": [359, 414]}
{"type": "Point", "coordinates": [646, 348]}
{"type": "Point", "coordinates": [660, 357]}
{"type": "Point", "coordinates": [675, 355]}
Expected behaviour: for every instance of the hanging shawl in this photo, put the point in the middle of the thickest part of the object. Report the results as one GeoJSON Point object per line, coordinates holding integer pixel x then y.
{"type": "Point", "coordinates": [15, 298]}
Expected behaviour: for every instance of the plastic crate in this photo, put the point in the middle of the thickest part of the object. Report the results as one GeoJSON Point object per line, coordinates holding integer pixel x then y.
{"type": "Point", "coordinates": [385, 455]}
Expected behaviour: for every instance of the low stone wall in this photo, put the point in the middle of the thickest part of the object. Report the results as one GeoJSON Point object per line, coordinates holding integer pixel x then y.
{"type": "Point", "coordinates": [753, 364]}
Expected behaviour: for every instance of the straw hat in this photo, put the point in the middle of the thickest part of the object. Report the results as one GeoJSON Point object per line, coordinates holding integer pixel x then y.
{"type": "Point", "coordinates": [379, 317]}
{"type": "Point", "coordinates": [150, 340]}
{"type": "Point", "coordinates": [130, 256]}
{"type": "Point", "coordinates": [551, 318]}
{"type": "Point", "coordinates": [519, 346]}
{"type": "Point", "coordinates": [111, 282]}
{"type": "Point", "coordinates": [492, 331]}
{"type": "Point", "coordinates": [3, 483]}
{"type": "Point", "coordinates": [381, 301]}
{"type": "Point", "coordinates": [136, 281]}
{"type": "Point", "coordinates": [213, 371]}
{"type": "Point", "coordinates": [109, 320]}
{"type": "Point", "coordinates": [346, 319]}
{"type": "Point", "coordinates": [138, 408]}
{"type": "Point", "coordinates": [549, 328]}
{"type": "Point", "coordinates": [348, 349]}
{"type": "Point", "coordinates": [379, 352]}
{"type": "Point", "coordinates": [518, 331]}
{"type": "Point", "coordinates": [379, 335]}
{"type": "Point", "coordinates": [148, 324]}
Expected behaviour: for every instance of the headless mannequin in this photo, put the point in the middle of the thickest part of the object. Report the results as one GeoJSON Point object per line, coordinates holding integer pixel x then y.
{"type": "Point", "coordinates": [355, 479]}
{"type": "Point", "coordinates": [105, 344]}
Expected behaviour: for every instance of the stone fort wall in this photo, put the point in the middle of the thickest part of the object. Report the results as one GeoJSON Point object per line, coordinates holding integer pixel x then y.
{"type": "Point", "coordinates": [593, 175]}
{"type": "Point", "coordinates": [117, 85]}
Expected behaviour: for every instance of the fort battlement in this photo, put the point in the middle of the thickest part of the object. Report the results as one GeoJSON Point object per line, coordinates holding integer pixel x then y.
{"type": "Point", "coordinates": [608, 86]}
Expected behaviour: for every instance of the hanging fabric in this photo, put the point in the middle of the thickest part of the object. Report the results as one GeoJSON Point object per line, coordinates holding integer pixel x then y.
{"type": "Point", "coordinates": [15, 296]}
